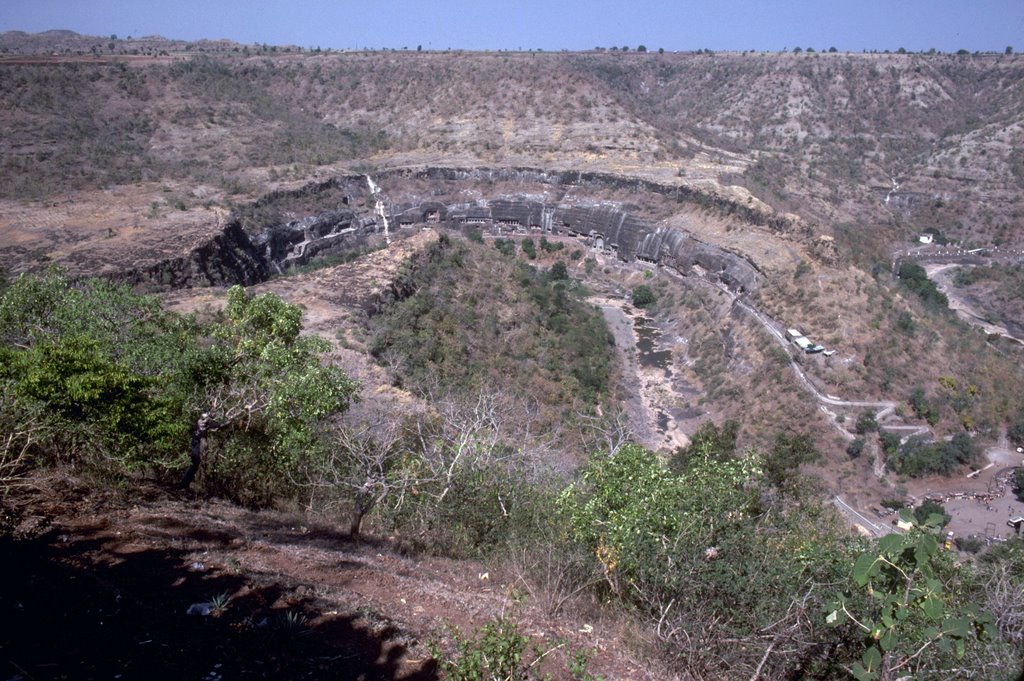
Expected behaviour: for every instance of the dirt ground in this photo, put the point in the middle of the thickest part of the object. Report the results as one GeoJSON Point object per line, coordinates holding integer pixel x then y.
{"type": "Point", "coordinates": [981, 504]}
{"type": "Point", "coordinates": [149, 584]}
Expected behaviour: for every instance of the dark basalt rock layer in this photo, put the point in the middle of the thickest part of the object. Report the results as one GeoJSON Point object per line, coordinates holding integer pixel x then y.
{"type": "Point", "coordinates": [289, 228]}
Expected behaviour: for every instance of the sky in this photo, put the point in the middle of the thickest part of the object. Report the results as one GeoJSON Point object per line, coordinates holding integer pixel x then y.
{"type": "Point", "coordinates": [848, 25]}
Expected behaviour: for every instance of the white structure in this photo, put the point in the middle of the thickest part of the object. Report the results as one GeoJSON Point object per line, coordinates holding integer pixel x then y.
{"type": "Point", "coordinates": [926, 238]}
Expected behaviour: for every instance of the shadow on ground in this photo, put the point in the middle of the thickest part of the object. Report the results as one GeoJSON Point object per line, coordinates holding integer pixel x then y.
{"type": "Point", "coordinates": [72, 608]}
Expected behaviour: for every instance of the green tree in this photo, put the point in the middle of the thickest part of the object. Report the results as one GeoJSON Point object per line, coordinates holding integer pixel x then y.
{"type": "Point", "coordinates": [1016, 429]}
{"type": "Point", "coordinates": [643, 296]}
{"type": "Point", "coordinates": [558, 272]}
{"type": "Point", "coordinates": [929, 508]}
{"type": "Point", "coordinates": [111, 370]}
{"type": "Point", "coordinates": [505, 246]}
{"type": "Point", "coordinates": [914, 277]}
{"type": "Point", "coordinates": [788, 452]}
{"type": "Point", "coordinates": [529, 248]}
{"type": "Point", "coordinates": [270, 395]}
{"type": "Point", "coordinates": [866, 423]}
{"type": "Point", "coordinates": [710, 442]}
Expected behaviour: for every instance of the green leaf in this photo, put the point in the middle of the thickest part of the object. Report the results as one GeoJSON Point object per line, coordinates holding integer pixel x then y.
{"type": "Point", "coordinates": [872, 659]}
{"type": "Point", "coordinates": [960, 627]}
{"type": "Point", "coordinates": [891, 544]}
{"type": "Point", "coordinates": [863, 568]}
{"type": "Point", "coordinates": [929, 544]}
{"type": "Point", "coordinates": [860, 673]}
{"type": "Point", "coordinates": [888, 640]}
{"type": "Point", "coordinates": [933, 607]}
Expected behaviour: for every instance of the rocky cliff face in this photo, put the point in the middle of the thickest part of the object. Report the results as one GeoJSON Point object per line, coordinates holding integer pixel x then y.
{"type": "Point", "coordinates": [289, 228]}
{"type": "Point", "coordinates": [228, 258]}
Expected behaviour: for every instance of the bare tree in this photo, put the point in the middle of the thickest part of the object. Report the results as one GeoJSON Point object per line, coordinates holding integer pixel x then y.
{"type": "Point", "coordinates": [366, 463]}
{"type": "Point", "coordinates": [606, 432]}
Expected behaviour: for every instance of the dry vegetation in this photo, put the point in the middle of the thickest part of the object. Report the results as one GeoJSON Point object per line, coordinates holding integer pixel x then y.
{"type": "Point", "coordinates": [122, 152]}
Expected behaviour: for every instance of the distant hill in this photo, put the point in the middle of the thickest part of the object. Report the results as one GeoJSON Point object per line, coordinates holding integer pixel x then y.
{"type": "Point", "coordinates": [904, 142]}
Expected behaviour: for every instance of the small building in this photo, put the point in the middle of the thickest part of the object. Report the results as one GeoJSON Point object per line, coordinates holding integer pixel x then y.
{"type": "Point", "coordinates": [804, 343]}
{"type": "Point", "coordinates": [926, 238]}
{"type": "Point", "coordinates": [793, 334]}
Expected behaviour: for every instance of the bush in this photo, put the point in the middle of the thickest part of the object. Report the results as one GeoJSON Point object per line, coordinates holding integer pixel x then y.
{"type": "Point", "coordinates": [866, 423]}
{"type": "Point", "coordinates": [558, 272]}
{"type": "Point", "coordinates": [917, 457]}
{"type": "Point", "coordinates": [855, 448]}
{"type": "Point", "coordinates": [970, 544]}
{"type": "Point", "coordinates": [928, 508]}
{"type": "Point", "coordinates": [550, 246]}
{"type": "Point", "coordinates": [710, 442]}
{"type": "Point", "coordinates": [499, 651]}
{"type": "Point", "coordinates": [121, 382]}
{"type": "Point", "coordinates": [1016, 429]}
{"type": "Point", "coordinates": [681, 547]}
{"type": "Point", "coordinates": [914, 277]}
{"type": "Point", "coordinates": [505, 246]}
{"type": "Point", "coordinates": [643, 296]}
{"type": "Point", "coordinates": [788, 452]}
{"type": "Point", "coordinates": [922, 407]}
{"type": "Point", "coordinates": [529, 248]}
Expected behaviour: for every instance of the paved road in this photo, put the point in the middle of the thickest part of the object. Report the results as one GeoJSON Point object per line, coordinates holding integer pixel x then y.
{"type": "Point", "coordinates": [876, 529]}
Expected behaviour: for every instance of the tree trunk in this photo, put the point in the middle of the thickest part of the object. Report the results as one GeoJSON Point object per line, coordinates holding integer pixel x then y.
{"type": "Point", "coordinates": [195, 452]}
{"type": "Point", "coordinates": [356, 525]}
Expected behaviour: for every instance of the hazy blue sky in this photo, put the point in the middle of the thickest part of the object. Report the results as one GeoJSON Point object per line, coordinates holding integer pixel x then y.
{"type": "Point", "coordinates": [947, 25]}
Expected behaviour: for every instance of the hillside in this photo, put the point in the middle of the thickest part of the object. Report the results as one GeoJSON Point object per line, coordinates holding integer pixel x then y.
{"type": "Point", "coordinates": [519, 339]}
{"type": "Point", "coordinates": [825, 135]}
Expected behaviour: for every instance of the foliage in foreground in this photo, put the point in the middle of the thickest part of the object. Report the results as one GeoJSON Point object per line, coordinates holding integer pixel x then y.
{"type": "Point", "coordinates": [912, 610]}
{"type": "Point", "coordinates": [734, 579]}
{"type": "Point", "coordinates": [701, 555]}
{"type": "Point", "coordinates": [115, 383]}
{"type": "Point", "coordinates": [500, 651]}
